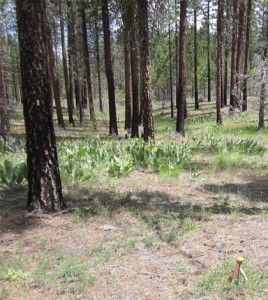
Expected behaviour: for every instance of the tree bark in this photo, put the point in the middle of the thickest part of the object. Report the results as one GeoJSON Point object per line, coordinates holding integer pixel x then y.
{"type": "Point", "coordinates": [87, 63]}
{"type": "Point", "coordinates": [65, 68]}
{"type": "Point", "coordinates": [239, 53]}
{"type": "Point", "coordinates": [5, 125]}
{"type": "Point", "coordinates": [113, 131]}
{"type": "Point", "coordinates": [226, 54]}
{"type": "Point", "coordinates": [182, 69]}
{"type": "Point", "coordinates": [264, 72]}
{"type": "Point", "coordinates": [177, 52]}
{"type": "Point", "coordinates": [195, 63]}
{"type": "Point", "coordinates": [74, 52]}
{"type": "Point", "coordinates": [45, 192]}
{"type": "Point", "coordinates": [148, 123]}
{"type": "Point", "coordinates": [208, 50]}
{"type": "Point", "coordinates": [135, 81]}
{"type": "Point", "coordinates": [247, 51]}
{"type": "Point", "coordinates": [233, 58]}
{"type": "Point", "coordinates": [98, 59]}
{"type": "Point", "coordinates": [219, 61]}
{"type": "Point", "coordinates": [170, 70]}
{"type": "Point", "coordinates": [127, 16]}
{"type": "Point", "coordinates": [54, 76]}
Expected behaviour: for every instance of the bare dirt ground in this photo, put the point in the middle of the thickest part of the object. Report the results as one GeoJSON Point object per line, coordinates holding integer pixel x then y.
{"type": "Point", "coordinates": [130, 259]}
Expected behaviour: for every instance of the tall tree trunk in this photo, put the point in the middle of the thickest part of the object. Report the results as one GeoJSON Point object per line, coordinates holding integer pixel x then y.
{"type": "Point", "coordinates": [182, 65]}
{"type": "Point", "coordinates": [196, 100]}
{"type": "Point", "coordinates": [127, 17]}
{"type": "Point", "coordinates": [239, 53]}
{"type": "Point", "coordinates": [177, 51]}
{"type": "Point", "coordinates": [208, 50]}
{"type": "Point", "coordinates": [65, 68]}
{"type": "Point", "coordinates": [54, 76]}
{"type": "Point", "coordinates": [226, 53]}
{"type": "Point", "coordinates": [264, 72]}
{"type": "Point", "coordinates": [45, 192]}
{"type": "Point", "coordinates": [87, 63]}
{"type": "Point", "coordinates": [148, 122]}
{"type": "Point", "coordinates": [76, 71]}
{"type": "Point", "coordinates": [98, 58]}
{"type": "Point", "coordinates": [135, 80]}
{"type": "Point", "coordinates": [233, 58]}
{"type": "Point", "coordinates": [219, 61]}
{"type": "Point", "coordinates": [70, 52]}
{"type": "Point", "coordinates": [113, 131]}
{"type": "Point", "coordinates": [170, 69]}
{"type": "Point", "coordinates": [5, 125]}
{"type": "Point", "coordinates": [247, 51]}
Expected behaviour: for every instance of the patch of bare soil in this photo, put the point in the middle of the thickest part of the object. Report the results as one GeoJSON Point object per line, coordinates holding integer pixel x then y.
{"type": "Point", "coordinates": [126, 256]}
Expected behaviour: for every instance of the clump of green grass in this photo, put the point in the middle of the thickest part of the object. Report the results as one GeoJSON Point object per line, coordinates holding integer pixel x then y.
{"type": "Point", "coordinates": [12, 270]}
{"type": "Point", "coordinates": [218, 283]}
{"type": "Point", "coordinates": [148, 240]}
{"type": "Point", "coordinates": [66, 272]}
{"type": "Point", "coordinates": [102, 253]}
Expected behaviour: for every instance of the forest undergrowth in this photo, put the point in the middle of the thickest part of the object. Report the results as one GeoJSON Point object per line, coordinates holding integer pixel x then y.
{"type": "Point", "coordinates": [157, 220]}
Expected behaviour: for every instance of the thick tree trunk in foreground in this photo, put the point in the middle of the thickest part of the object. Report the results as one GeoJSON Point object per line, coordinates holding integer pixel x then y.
{"type": "Point", "coordinates": [45, 192]}
{"type": "Point", "coordinates": [113, 131]}
{"type": "Point", "coordinates": [148, 122]}
{"type": "Point", "coordinates": [182, 71]}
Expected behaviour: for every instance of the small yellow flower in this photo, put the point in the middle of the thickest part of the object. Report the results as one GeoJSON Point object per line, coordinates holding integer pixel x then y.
{"type": "Point", "coordinates": [154, 149]}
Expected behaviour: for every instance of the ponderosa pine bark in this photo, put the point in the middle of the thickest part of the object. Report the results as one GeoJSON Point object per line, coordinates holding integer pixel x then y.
{"type": "Point", "coordinates": [247, 51]}
{"type": "Point", "coordinates": [45, 191]}
{"type": "Point", "coordinates": [73, 40]}
{"type": "Point", "coordinates": [127, 17]}
{"type": "Point", "coordinates": [113, 131]}
{"type": "Point", "coordinates": [170, 70]}
{"type": "Point", "coordinates": [208, 50]}
{"type": "Point", "coordinates": [54, 76]}
{"type": "Point", "coordinates": [177, 51]}
{"type": "Point", "coordinates": [182, 69]}
{"type": "Point", "coordinates": [239, 53]}
{"type": "Point", "coordinates": [219, 61]}
{"type": "Point", "coordinates": [264, 71]}
{"type": "Point", "coordinates": [87, 63]}
{"type": "Point", "coordinates": [98, 58]}
{"type": "Point", "coordinates": [226, 53]}
{"type": "Point", "coordinates": [234, 56]}
{"type": "Point", "coordinates": [148, 122]}
{"type": "Point", "coordinates": [135, 67]}
{"type": "Point", "coordinates": [5, 125]}
{"type": "Point", "coordinates": [70, 104]}
{"type": "Point", "coordinates": [196, 100]}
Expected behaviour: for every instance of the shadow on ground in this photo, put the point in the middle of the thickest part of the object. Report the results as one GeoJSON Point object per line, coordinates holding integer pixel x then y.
{"type": "Point", "coordinates": [255, 191]}
{"type": "Point", "coordinates": [145, 203]}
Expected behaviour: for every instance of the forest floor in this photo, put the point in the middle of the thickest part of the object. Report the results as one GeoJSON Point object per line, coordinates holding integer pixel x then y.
{"type": "Point", "coordinates": [143, 236]}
